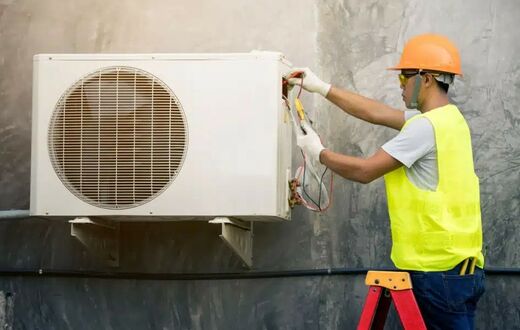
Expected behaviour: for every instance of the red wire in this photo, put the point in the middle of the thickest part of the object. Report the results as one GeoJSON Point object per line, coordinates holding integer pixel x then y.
{"type": "Point", "coordinates": [301, 86]}
{"type": "Point", "coordinates": [330, 191]}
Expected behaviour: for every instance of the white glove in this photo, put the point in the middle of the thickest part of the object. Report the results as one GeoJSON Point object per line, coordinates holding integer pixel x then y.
{"type": "Point", "coordinates": [311, 82]}
{"type": "Point", "coordinates": [310, 143]}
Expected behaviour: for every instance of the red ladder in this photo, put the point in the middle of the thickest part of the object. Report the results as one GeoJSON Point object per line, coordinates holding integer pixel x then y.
{"type": "Point", "coordinates": [385, 287]}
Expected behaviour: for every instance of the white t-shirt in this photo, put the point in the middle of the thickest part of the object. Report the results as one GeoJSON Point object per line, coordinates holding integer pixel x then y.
{"type": "Point", "coordinates": [415, 148]}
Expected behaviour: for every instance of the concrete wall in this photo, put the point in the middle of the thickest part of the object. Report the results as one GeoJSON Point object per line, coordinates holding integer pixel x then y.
{"type": "Point", "coordinates": [349, 43]}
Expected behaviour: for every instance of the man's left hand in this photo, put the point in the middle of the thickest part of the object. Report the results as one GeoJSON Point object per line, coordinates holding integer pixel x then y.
{"type": "Point", "coordinates": [310, 143]}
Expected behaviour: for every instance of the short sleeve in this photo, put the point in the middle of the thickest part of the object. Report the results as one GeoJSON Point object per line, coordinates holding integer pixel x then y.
{"type": "Point", "coordinates": [415, 141]}
{"type": "Point", "coordinates": [411, 113]}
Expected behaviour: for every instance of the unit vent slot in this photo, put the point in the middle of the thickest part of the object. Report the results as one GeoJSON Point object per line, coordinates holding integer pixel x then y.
{"type": "Point", "coordinates": [118, 137]}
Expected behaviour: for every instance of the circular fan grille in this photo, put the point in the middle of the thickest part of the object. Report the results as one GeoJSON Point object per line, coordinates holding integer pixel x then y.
{"type": "Point", "coordinates": [117, 137]}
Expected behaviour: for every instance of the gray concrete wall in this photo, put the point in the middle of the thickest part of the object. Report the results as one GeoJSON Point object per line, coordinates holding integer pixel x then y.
{"type": "Point", "coordinates": [349, 43]}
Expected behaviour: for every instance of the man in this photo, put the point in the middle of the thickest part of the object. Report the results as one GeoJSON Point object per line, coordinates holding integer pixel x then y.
{"type": "Point", "coordinates": [432, 189]}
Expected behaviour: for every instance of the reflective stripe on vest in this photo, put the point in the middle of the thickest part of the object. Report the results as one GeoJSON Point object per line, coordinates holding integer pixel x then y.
{"type": "Point", "coordinates": [436, 230]}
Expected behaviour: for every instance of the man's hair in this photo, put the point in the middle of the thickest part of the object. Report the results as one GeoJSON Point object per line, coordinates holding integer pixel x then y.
{"type": "Point", "coordinates": [443, 86]}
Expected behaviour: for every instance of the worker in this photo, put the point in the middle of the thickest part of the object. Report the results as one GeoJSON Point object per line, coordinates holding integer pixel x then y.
{"type": "Point", "coordinates": [431, 187]}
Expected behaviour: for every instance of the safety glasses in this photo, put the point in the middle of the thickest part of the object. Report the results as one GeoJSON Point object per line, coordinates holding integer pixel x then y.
{"type": "Point", "coordinates": [405, 75]}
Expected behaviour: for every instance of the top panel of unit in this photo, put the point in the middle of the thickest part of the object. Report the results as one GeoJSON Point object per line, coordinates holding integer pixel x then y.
{"type": "Point", "coordinates": [253, 55]}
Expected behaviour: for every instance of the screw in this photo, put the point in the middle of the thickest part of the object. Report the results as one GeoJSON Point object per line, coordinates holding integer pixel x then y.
{"type": "Point", "coordinates": [376, 281]}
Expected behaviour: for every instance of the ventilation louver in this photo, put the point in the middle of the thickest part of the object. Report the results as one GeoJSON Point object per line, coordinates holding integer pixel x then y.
{"type": "Point", "coordinates": [117, 137]}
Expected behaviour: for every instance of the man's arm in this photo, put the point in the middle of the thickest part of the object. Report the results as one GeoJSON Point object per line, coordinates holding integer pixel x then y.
{"type": "Point", "coordinates": [362, 170]}
{"type": "Point", "coordinates": [366, 109]}
{"type": "Point", "coordinates": [358, 169]}
{"type": "Point", "coordinates": [358, 106]}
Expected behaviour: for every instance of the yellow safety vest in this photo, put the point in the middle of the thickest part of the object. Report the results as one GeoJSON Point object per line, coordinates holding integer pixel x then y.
{"type": "Point", "coordinates": [436, 230]}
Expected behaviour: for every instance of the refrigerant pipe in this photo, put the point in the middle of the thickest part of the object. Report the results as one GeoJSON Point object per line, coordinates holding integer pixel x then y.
{"type": "Point", "coordinates": [13, 214]}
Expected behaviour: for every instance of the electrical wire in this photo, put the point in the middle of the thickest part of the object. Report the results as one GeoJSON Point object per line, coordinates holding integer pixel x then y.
{"type": "Point", "coordinates": [302, 193]}
{"type": "Point", "coordinates": [301, 86]}
{"type": "Point", "coordinates": [67, 273]}
{"type": "Point", "coordinates": [303, 183]}
{"type": "Point", "coordinates": [321, 182]}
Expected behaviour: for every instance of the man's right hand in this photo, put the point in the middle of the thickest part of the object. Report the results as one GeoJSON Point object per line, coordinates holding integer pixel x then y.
{"type": "Point", "coordinates": [311, 82]}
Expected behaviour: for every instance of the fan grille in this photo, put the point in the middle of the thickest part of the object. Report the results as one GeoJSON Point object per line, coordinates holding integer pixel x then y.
{"type": "Point", "coordinates": [117, 137]}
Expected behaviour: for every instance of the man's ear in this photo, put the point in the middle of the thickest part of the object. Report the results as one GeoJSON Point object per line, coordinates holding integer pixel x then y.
{"type": "Point", "coordinates": [428, 80]}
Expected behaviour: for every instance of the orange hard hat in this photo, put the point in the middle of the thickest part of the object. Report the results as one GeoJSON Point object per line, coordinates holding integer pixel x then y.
{"type": "Point", "coordinates": [430, 52]}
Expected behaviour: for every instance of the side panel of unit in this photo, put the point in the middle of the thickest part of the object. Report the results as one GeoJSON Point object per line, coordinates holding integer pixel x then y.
{"type": "Point", "coordinates": [35, 155]}
{"type": "Point", "coordinates": [284, 148]}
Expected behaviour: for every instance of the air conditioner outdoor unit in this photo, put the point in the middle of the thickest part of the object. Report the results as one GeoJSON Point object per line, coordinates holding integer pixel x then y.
{"type": "Point", "coordinates": [160, 136]}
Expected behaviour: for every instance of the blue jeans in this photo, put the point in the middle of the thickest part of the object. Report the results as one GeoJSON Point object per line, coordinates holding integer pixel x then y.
{"type": "Point", "coordinates": [446, 299]}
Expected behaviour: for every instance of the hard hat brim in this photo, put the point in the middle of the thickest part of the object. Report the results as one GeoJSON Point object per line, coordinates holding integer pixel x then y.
{"type": "Point", "coordinates": [398, 67]}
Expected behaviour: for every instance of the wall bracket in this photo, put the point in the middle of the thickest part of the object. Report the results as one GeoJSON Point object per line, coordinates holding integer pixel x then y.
{"type": "Point", "coordinates": [238, 235]}
{"type": "Point", "coordinates": [100, 237]}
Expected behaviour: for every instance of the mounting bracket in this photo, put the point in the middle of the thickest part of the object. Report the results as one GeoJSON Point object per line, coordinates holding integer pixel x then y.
{"type": "Point", "coordinates": [238, 235]}
{"type": "Point", "coordinates": [100, 237]}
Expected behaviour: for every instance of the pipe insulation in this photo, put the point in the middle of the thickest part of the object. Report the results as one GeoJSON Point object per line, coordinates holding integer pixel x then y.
{"type": "Point", "coordinates": [14, 214]}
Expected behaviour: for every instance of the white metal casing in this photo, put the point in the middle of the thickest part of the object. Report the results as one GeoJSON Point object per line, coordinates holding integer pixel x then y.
{"type": "Point", "coordinates": [238, 158]}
